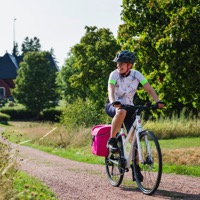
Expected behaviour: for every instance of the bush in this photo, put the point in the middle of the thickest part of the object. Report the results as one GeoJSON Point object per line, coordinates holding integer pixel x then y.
{"type": "Point", "coordinates": [21, 113]}
{"type": "Point", "coordinates": [17, 113]}
{"type": "Point", "coordinates": [82, 114]}
{"type": "Point", "coordinates": [4, 117]}
{"type": "Point", "coordinates": [51, 114]}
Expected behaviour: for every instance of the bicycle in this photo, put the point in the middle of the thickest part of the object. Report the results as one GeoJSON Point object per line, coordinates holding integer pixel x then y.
{"type": "Point", "coordinates": [144, 151]}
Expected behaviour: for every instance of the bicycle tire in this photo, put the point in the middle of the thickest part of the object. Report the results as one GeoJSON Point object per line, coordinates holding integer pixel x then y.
{"type": "Point", "coordinates": [151, 168]}
{"type": "Point", "coordinates": [114, 169]}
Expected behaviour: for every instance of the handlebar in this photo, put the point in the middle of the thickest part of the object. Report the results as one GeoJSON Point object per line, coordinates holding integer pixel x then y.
{"type": "Point", "coordinates": [139, 108]}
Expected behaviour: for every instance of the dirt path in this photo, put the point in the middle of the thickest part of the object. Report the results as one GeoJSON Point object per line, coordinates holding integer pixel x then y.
{"type": "Point", "coordinates": [74, 180]}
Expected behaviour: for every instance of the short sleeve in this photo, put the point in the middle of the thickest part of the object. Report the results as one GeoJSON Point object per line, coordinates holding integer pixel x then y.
{"type": "Point", "coordinates": [140, 78]}
{"type": "Point", "coordinates": [112, 78]}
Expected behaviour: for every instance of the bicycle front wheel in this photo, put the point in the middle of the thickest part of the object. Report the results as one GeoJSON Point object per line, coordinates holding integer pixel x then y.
{"type": "Point", "coordinates": [151, 166]}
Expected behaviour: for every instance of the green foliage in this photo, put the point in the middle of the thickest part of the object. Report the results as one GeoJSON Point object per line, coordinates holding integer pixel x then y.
{"type": "Point", "coordinates": [63, 80]}
{"type": "Point", "coordinates": [35, 85]}
{"type": "Point", "coordinates": [7, 170]}
{"type": "Point", "coordinates": [4, 117]}
{"type": "Point", "coordinates": [17, 113]}
{"type": "Point", "coordinates": [165, 36]}
{"type": "Point", "coordinates": [3, 101]}
{"type": "Point", "coordinates": [31, 45]}
{"type": "Point", "coordinates": [15, 50]}
{"type": "Point", "coordinates": [81, 114]}
{"type": "Point", "coordinates": [21, 113]}
{"type": "Point", "coordinates": [52, 114]}
{"type": "Point", "coordinates": [87, 69]}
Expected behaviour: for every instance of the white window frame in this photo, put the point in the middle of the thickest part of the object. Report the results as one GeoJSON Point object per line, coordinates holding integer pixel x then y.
{"type": "Point", "coordinates": [4, 91]}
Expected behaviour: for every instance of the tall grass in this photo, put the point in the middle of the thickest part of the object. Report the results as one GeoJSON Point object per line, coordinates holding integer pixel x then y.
{"type": "Point", "coordinates": [7, 169]}
{"type": "Point", "coordinates": [48, 134]}
{"type": "Point", "coordinates": [15, 184]}
{"type": "Point", "coordinates": [166, 128]}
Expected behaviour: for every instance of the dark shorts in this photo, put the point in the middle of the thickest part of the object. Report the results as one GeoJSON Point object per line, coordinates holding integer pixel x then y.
{"type": "Point", "coordinates": [110, 111]}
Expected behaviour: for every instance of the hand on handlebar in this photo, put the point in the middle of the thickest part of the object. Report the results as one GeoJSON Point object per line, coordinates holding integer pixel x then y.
{"type": "Point", "coordinates": [116, 104]}
{"type": "Point", "coordinates": [160, 104]}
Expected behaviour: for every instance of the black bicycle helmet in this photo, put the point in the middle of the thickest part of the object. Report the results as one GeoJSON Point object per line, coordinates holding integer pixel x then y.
{"type": "Point", "coordinates": [125, 56]}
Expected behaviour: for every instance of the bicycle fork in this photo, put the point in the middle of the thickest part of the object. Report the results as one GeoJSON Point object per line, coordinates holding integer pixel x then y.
{"type": "Point", "coordinates": [137, 135]}
{"type": "Point", "coordinates": [137, 128]}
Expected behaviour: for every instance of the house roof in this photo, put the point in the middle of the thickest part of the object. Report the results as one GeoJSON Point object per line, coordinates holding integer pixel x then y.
{"type": "Point", "coordinates": [8, 67]}
{"type": "Point", "coordinates": [53, 63]}
{"type": "Point", "coordinates": [9, 64]}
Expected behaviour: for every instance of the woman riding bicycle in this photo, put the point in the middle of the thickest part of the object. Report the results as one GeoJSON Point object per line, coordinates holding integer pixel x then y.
{"type": "Point", "coordinates": [122, 86]}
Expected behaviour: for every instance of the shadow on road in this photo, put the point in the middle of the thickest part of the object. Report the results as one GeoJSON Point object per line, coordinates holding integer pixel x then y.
{"type": "Point", "coordinates": [177, 195]}
{"type": "Point", "coordinates": [165, 194]}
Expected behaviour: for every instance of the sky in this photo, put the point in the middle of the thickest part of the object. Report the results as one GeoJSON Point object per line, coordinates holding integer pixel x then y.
{"type": "Point", "coordinates": [58, 24]}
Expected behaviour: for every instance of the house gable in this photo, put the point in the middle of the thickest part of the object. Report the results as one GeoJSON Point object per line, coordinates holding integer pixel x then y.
{"type": "Point", "coordinates": [8, 67]}
{"type": "Point", "coordinates": [9, 64]}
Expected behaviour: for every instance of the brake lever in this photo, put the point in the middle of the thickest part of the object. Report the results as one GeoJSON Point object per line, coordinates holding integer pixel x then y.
{"type": "Point", "coordinates": [154, 106]}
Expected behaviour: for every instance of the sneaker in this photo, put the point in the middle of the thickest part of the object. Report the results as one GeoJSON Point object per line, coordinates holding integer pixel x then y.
{"type": "Point", "coordinates": [112, 145]}
{"type": "Point", "coordinates": [138, 171]}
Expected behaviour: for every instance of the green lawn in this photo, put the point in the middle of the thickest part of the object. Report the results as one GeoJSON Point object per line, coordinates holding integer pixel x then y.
{"type": "Point", "coordinates": [180, 143]}
{"type": "Point", "coordinates": [28, 187]}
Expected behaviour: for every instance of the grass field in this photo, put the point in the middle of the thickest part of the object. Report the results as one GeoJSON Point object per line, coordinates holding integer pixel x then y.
{"type": "Point", "coordinates": [180, 155]}
{"type": "Point", "coordinates": [27, 187]}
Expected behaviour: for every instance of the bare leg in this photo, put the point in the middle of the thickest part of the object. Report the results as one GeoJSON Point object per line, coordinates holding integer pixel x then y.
{"type": "Point", "coordinates": [117, 121]}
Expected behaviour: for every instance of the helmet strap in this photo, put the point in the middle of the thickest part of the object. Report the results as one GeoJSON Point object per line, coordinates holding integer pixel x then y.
{"type": "Point", "coordinates": [128, 71]}
{"type": "Point", "coordinates": [125, 74]}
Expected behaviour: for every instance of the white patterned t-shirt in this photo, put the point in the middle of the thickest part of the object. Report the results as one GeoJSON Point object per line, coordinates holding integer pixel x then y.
{"type": "Point", "coordinates": [126, 87]}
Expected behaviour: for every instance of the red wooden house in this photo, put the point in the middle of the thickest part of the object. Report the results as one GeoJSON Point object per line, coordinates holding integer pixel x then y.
{"type": "Point", "coordinates": [9, 64]}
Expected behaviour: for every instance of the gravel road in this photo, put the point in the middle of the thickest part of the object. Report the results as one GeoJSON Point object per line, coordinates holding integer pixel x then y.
{"type": "Point", "coordinates": [71, 180]}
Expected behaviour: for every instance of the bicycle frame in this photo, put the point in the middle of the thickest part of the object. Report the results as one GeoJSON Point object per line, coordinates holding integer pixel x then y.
{"type": "Point", "coordinates": [136, 128]}
{"type": "Point", "coordinates": [144, 156]}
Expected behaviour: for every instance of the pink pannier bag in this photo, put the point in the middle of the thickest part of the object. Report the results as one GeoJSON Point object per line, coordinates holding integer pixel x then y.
{"type": "Point", "coordinates": [100, 136]}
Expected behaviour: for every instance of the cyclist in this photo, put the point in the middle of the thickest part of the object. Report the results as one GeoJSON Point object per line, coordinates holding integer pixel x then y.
{"type": "Point", "coordinates": [122, 86]}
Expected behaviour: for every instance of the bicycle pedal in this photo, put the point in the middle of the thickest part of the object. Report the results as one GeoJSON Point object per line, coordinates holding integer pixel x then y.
{"type": "Point", "coordinates": [121, 170]}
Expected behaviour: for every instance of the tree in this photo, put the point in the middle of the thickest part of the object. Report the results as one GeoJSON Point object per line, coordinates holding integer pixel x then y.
{"type": "Point", "coordinates": [86, 72]}
{"type": "Point", "coordinates": [31, 45]}
{"type": "Point", "coordinates": [166, 37]}
{"type": "Point", "coordinates": [35, 85]}
{"type": "Point", "coordinates": [63, 81]}
{"type": "Point", "coordinates": [15, 51]}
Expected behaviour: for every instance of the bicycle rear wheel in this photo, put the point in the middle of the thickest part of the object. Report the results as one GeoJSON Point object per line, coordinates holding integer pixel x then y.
{"type": "Point", "coordinates": [114, 167]}
{"type": "Point", "coordinates": [151, 167]}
